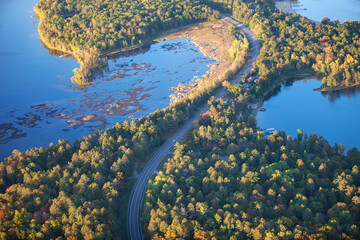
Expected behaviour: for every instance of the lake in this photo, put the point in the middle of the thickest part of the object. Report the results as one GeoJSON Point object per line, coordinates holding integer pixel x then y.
{"type": "Point", "coordinates": [295, 105]}
{"type": "Point", "coordinates": [39, 104]}
{"type": "Point", "coordinates": [333, 9]}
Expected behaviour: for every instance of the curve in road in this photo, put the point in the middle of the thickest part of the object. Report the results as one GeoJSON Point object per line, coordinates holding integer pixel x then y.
{"type": "Point", "coordinates": [137, 195]}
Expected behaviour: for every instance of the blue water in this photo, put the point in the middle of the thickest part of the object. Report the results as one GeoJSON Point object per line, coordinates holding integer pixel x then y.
{"type": "Point", "coordinates": [333, 9]}
{"type": "Point", "coordinates": [334, 116]}
{"type": "Point", "coordinates": [39, 104]}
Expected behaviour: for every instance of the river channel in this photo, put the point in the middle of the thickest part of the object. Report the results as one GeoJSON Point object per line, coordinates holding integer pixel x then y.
{"type": "Point", "coordinates": [295, 105]}
{"type": "Point", "coordinates": [39, 104]}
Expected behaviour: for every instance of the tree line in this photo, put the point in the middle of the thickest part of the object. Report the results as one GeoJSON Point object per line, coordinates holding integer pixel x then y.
{"type": "Point", "coordinates": [227, 181]}
{"type": "Point", "coordinates": [75, 190]}
{"type": "Point", "coordinates": [293, 44]}
{"type": "Point", "coordinates": [91, 29]}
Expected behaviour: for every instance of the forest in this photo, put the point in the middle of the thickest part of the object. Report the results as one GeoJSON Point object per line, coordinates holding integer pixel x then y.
{"type": "Point", "coordinates": [227, 181]}
{"type": "Point", "coordinates": [294, 44]}
{"type": "Point", "coordinates": [75, 191]}
{"type": "Point", "coordinates": [91, 29]}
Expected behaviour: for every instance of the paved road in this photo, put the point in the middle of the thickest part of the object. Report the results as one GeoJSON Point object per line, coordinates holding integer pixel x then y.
{"type": "Point", "coordinates": [136, 199]}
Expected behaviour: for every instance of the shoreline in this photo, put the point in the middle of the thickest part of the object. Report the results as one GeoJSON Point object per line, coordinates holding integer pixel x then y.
{"type": "Point", "coordinates": [287, 7]}
{"type": "Point", "coordinates": [301, 75]}
{"type": "Point", "coordinates": [213, 76]}
{"type": "Point", "coordinates": [146, 42]}
{"type": "Point", "coordinates": [213, 39]}
{"type": "Point", "coordinates": [64, 50]}
{"type": "Point", "coordinates": [336, 88]}
{"type": "Point", "coordinates": [70, 51]}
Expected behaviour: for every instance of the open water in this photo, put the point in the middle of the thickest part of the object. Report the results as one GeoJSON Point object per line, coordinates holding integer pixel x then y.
{"type": "Point", "coordinates": [333, 9]}
{"type": "Point", "coordinates": [39, 104]}
{"type": "Point", "coordinates": [295, 105]}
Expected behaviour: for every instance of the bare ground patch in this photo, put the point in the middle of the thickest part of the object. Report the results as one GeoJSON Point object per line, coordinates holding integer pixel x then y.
{"type": "Point", "coordinates": [214, 40]}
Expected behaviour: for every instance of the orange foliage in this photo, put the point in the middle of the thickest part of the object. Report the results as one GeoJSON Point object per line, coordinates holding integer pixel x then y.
{"type": "Point", "coordinates": [203, 234]}
{"type": "Point", "coordinates": [120, 176]}
{"type": "Point", "coordinates": [324, 39]}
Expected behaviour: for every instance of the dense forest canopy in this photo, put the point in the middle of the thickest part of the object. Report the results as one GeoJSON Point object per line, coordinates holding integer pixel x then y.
{"type": "Point", "coordinates": [291, 43]}
{"type": "Point", "coordinates": [294, 44]}
{"type": "Point", "coordinates": [77, 190]}
{"type": "Point", "coordinates": [92, 28]}
{"type": "Point", "coordinates": [225, 180]}
{"type": "Point", "coordinates": [113, 24]}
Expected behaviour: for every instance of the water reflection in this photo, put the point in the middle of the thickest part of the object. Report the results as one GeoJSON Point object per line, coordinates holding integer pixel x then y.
{"type": "Point", "coordinates": [56, 53]}
{"type": "Point", "coordinates": [332, 96]}
{"type": "Point", "coordinates": [277, 90]}
{"type": "Point", "coordinates": [133, 85]}
{"type": "Point", "coordinates": [333, 9]}
{"type": "Point", "coordinates": [295, 105]}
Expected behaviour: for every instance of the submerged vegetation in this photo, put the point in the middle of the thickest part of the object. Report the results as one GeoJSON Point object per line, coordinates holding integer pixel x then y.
{"type": "Point", "coordinates": [290, 43]}
{"type": "Point", "coordinates": [226, 180]}
{"type": "Point", "coordinates": [91, 29]}
{"type": "Point", "coordinates": [76, 190]}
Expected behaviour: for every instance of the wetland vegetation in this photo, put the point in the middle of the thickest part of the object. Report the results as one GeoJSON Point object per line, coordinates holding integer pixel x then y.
{"type": "Point", "coordinates": [45, 192]}
{"type": "Point", "coordinates": [91, 29]}
{"type": "Point", "coordinates": [225, 179]}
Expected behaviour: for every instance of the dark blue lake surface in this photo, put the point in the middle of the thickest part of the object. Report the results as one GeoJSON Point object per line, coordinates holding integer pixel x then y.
{"type": "Point", "coordinates": [333, 9]}
{"type": "Point", "coordinates": [39, 104]}
{"type": "Point", "coordinates": [335, 116]}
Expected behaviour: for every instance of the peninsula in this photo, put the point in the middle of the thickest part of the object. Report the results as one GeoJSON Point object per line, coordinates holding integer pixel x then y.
{"type": "Point", "coordinates": [221, 177]}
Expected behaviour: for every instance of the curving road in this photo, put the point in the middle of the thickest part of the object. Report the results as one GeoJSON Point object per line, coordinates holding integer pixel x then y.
{"type": "Point", "coordinates": [137, 195]}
